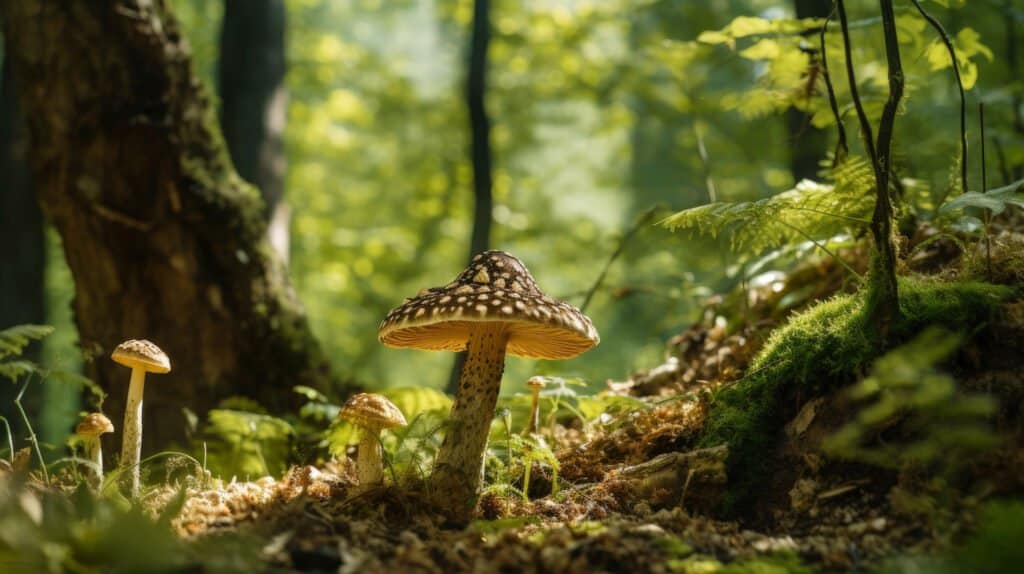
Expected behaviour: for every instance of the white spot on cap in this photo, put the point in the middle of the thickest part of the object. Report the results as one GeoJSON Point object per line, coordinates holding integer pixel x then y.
{"type": "Point", "coordinates": [481, 276]}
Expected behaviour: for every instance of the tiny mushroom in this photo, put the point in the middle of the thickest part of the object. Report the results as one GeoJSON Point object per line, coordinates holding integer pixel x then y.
{"type": "Point", "coordinates": [89, 430]}
{"type": "Point", "coordinates": [371, 413]}
{"type": "Point", "coordinates": [492, 308]}
{"type": "Point", "coordinates": [143, 357]}
{"type": "Point", "coordinates": [535, 384]}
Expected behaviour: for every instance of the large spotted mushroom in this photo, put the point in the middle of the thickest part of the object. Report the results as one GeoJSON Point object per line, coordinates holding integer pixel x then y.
{"type": "Point", "coordinates": [491, 309]}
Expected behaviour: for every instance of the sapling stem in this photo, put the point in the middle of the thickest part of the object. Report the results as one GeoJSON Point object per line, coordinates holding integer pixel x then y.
{"type": "Point", "coordinates": [31, 432]}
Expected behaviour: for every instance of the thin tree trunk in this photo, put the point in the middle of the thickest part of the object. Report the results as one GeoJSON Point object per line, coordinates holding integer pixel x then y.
{"type": "Point", "coordinates": [884, 302]}
{"type": "Point", "coordinates": [806, 142]}
{"type": "Point", "coordinates": [163, 239]}
{"type": "Point", "coordinates": [23, 255]}
{"type": "Point", "coordinates": [254, 102]}
{"type": "Point", "coordinates": [480, 130]}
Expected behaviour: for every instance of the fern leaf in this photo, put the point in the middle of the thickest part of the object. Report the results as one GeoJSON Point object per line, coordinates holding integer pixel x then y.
{"type": "Point", "coordinates": [13, 340]}
{"type": "Point", "coordinates": [810, 210]}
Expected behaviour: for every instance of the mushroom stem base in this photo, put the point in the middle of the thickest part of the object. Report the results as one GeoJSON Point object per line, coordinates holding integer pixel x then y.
{"type": "Point", "coordinates": [369, 461]}
{"type": "Point", "coordinates": [94, 454]}
{"type": "Point", "coordinates": [459, 467]}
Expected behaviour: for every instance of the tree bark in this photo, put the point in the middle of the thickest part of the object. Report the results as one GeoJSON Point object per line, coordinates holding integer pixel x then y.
{"type": "Point", "coordinates": [23, 256]}
{"type": "Point", "coordinates": [254, 102]}
{"type": "Point", "coordinates": [480, 148]}
{"type": "Point", "coordinates": [163, 239]}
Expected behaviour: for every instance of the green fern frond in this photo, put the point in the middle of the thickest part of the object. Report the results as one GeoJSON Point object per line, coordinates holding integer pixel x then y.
{"type": "Point", "coordinates": [13, 340]}
{"type": "Point", "coordinates": [809, 211]}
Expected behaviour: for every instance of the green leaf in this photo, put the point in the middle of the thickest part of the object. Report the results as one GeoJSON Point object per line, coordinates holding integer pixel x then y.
{"type": "Point", "coordinates": [15, 370]}
{"type": "Point", "coordinates": [996, 200]}
{"type": "Point", "coordinates": [13, 340]}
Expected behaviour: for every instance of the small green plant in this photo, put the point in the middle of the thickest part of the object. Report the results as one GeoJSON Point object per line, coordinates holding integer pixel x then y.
{"type": "Point", "coordinates": [14, 367]}
{"type": "Point", "coordinates": [247, 443]}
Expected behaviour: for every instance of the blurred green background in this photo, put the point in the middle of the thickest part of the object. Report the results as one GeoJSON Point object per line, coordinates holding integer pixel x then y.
{"type": "Point", "coordinates": [601, 111]}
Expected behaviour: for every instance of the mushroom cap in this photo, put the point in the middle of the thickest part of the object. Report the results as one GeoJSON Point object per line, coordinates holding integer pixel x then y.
{"type": "Point", "coordinates": [372, 411]}
{"type": "Point", "coordinates": [496, 287]}
{"type": "Point", "coordinates": [94, 424]}
{"type": "Point", "coordinates": [141, 354]}
{"type": "Point", "coordinates": [536, 383]}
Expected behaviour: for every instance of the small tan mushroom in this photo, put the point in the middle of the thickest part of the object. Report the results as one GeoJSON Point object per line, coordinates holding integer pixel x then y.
{"type": "Point", "coordinates": [492, 308]}
{"type": "Point", "coordinates": [89, 430]}
{"type": "Point", "coordinates": [142, 357]}
{"type": "Point", "coordinates": [371, 413]}
{"type": "Point", "coordinates": [536, 385]}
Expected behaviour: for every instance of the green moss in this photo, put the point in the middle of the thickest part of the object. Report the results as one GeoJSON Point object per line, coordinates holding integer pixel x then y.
{"type": "Point", "coordinates": [821, 349]}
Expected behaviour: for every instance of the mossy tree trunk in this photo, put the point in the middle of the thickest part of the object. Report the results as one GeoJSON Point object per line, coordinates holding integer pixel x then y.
{"type": "Point", "coordinates": [883, 292]}
{"type": "Point", "coordinates": [163, 239]}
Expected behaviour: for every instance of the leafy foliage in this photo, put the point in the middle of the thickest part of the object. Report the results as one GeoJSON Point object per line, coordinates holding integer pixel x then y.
{"type": "Point", "coordinates": [247, 444]}
{"type": "Point", "coordinates": [942, 425]}
{"type": "Point", "coordinates": [996, 200]}
{"type": "Point", "coordinates": [808, 211]}
{"type": "Point", "coordinates": [13, 340]}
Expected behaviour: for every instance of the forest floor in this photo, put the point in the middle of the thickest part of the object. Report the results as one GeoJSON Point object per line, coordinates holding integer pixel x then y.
{"type": "Point", "coordinates": [641, 495]}
{"type": "Point", "coordinates": [641, 492]}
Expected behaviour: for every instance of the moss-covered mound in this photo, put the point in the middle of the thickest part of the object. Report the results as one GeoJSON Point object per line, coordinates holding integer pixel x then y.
{"type": "Point", "coordinates": [822, 349]}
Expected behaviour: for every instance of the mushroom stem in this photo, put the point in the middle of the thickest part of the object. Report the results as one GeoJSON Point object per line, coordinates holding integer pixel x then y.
{"type": "Point", "coordinates": [460, 462]}
{"type": "Point", "coordinates": [94, 454]}
{"type": "Point", "coordinates": [369, 460]}
{"type": "Point", "coordinates": [531, 427]}
{"type": "Point", "coordinates": [131, 445]}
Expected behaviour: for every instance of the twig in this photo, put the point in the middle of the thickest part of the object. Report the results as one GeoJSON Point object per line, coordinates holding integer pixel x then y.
{"type": "Point", "coordinates": [867, 133]}
{"type": "Point", "coordinates": [842, 147]}
{"type": "Point", "coordinates": [984, 189]}
{"type": "Point", "coordinates": [31, 433]}
{"type": "Point", "coordinates": [640, 222]}
{"type": "Point", "coordinates": [959, 84]}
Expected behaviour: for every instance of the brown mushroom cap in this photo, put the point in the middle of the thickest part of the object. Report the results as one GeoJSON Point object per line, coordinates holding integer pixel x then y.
{"type": "Point", "coordinates": [141, 354]}
{"type": "Point", "coordinates": [372, 411]}
{"type": "Point", "coordinates": [496, 287]}
{"type": "Point", "coordinates": [94, 424]}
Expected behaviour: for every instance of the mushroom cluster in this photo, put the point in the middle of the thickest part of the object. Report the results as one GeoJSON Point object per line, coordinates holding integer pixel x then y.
{"type": "Point", "coordinates": [491, 309]}
{"type": "Point", "coordinates": [142, 357]}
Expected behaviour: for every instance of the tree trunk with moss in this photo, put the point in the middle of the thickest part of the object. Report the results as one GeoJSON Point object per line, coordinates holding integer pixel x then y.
{"type": "Point", "coordinates": [164, 240]}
